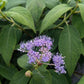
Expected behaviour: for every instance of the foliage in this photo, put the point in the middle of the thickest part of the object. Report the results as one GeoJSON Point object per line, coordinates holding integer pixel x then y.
{"type": "Point", "coordinates": [23, 20]}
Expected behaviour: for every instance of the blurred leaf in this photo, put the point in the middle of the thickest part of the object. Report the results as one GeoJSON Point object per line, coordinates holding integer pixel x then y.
{"type": "Point", "coordinates": [82, 1]}
{"type": "Point", "coordinates": [58, 78]}
{"type": "Point", "coordinates": [70, 47]}
{"type": "Point", "coordinates": [13, 3]}
{"type": "Point", "coordinates": [7, 43]}
{"type": "Point", "coordinates": [72, 3]}
{"type": "Point", "coordinates": [41, 76]}
{"type": "Point", "coordinates": [36, 8]}
{"type": "Point", "coordinates": [79, 24]}
{"type": "Point", "coordinates": [81, 80]}
{"type": "Point", "coordinates": [7, 72]}
{"type": "Point", "coordinates": [53, 15]}
{"type": "Point", "coordinates": [81, 7]}
{"type": "Point", "coordinates": [23, 62]}
{"type": "Point", "coordinates": [51, 3]}
{"type": "Point", "coordinates": [20, 78]}
{"type": "Point", "coordinates": [21, 15]}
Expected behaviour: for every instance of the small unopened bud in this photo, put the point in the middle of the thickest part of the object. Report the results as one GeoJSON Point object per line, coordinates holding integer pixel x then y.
{"type": "Point", "coordinates": [28, 73]}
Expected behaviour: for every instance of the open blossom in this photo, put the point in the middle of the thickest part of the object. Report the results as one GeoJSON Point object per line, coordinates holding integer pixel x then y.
{"type": "Point", "coordinates": [59, 63]}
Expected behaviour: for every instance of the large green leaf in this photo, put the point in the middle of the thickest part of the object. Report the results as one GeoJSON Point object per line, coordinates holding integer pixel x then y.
{"type": "Point", "coordinates": [36, 8]}
{"type": "Point", "coordinates": [53, 15]}
{"type": "Point", "coordinates": [20, 78]}
{"type": "Point", "coordinates": [18, 34]}
{"type": "Point", "coordinates": [21, 15]}
{"type": "Point", "coordinates": [51, 3]}
{"type": "Point", "coordinates": [81, 7]}
{"type": "Point", "coordinates": [7, 72]}
{"type": "Point", "coordinates": [79, 24]}
{"type": "Point", "coordinates": [41, 76]}
{"type": "Point", "coordinates": [70, 47]}
{"type": "Point", "coordinates": [23, 62]}
{"type": "Point", "coordinates": [12, 3]}
{"type": "Point", "coordinates": [58, 78]}
{"type": "Point", "coordinates": [7, 43]}
{"type": "Point", "coordinates": [81, 80]}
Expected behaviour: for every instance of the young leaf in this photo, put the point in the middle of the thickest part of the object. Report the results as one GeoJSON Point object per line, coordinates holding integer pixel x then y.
{"type": "Point", "coordinates": [81, 80]}
{"type": "Point", "coordinates": [58, 79]}
{"type": "Point", "coordinates": [23, 62]}
{"type": "Point", "coordinates": [19, 78]}
{"type": "Point", "coordinates": [70, 47]}
{"type": "Point", "coordinates": [21, 15]}
{"type": "Point", "coordinates": [7, 72]}
{"type": "Point", "coordinates": [53, 15]}
{"type": "Point", "coordinates": [12, 3]}
{"type": "Point", "coordinates": [7, 43]}
{"type": "Point", "coordinates": [36, 8]}
{"type": "Point", "coordinates": [41, 76]}
{"type": "Point", "coordinates": [81, 7]}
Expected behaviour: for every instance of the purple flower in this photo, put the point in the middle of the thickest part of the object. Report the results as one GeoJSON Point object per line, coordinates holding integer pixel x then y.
{"type": "Point", "coordinates": [59, 63]}
{"type": "Point", "coordinates": [43, 54]}
{"type": "Point", "coordinates": [43, 41]}
{"type": "Point", "coordinates": [22, 47]}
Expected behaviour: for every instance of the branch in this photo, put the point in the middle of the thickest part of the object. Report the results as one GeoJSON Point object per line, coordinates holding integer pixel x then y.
{"type": "Point", "coordinates": [14, 23]}
{"type": "Point", "coordinates": [67, 17]}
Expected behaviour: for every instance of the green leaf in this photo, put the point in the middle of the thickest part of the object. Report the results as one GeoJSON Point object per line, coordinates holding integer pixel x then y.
{"type": "Point", "coordinates": [81, 80]}
{"type": "Point", "coordinates": [82, 48]}
{"type": "Point", "coordinates": [58, 78]}
{"type": "Point", "coordinates": [12, 3]}
{"type": "Point", "coordinates": [23, 62]}
{"type": "Point", "coordinates": [79, 24]}
{"type": "Point", "coordinates": [70, 47]}
{"type": "Point", "coordinates": [21, 15]}
{"type": "Point", "coordinates": [7, 43]}
{"type": "Point", "coordinates": [18, 34]}
{"type": "Point", "coordinates": [51, 3]}
{"type": "Point", "coordinates": [36, 8]}
{"type": "Point", "coordinates": [20, 78]}
{"type": "Point", "coordinates": [7, 72]}
{"type": "Point", "coordinates": [54, 34]}
{"type": "Point", "coordinates": [81, 7]}
{"type": "Point", "coordinates": [41, 76]}
{"type": "Point", "coordinates": [53, 15]}
{"type": "Point", "coordinates": [72, 3]}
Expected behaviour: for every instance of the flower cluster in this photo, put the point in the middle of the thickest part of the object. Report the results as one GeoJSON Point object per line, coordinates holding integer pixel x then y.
{"type": "Point", "coordinates": [59, 63]}
{"type": "Point", "coordinates": [38, 50]}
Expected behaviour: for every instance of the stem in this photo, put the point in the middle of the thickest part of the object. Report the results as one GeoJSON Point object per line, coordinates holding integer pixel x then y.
{"type": "Point", "coordinates": [5, 16]}
{"type": "Point", "coordinates": [13, 22]}
{"type": "Point", "coordinates": [67, 17]}
{"type": "Point", "coordinates": [48, 64]}
{"type": "Point", "coordinates": [79, 73]}
{"type": "Point", "coordinates": [77, 12]}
